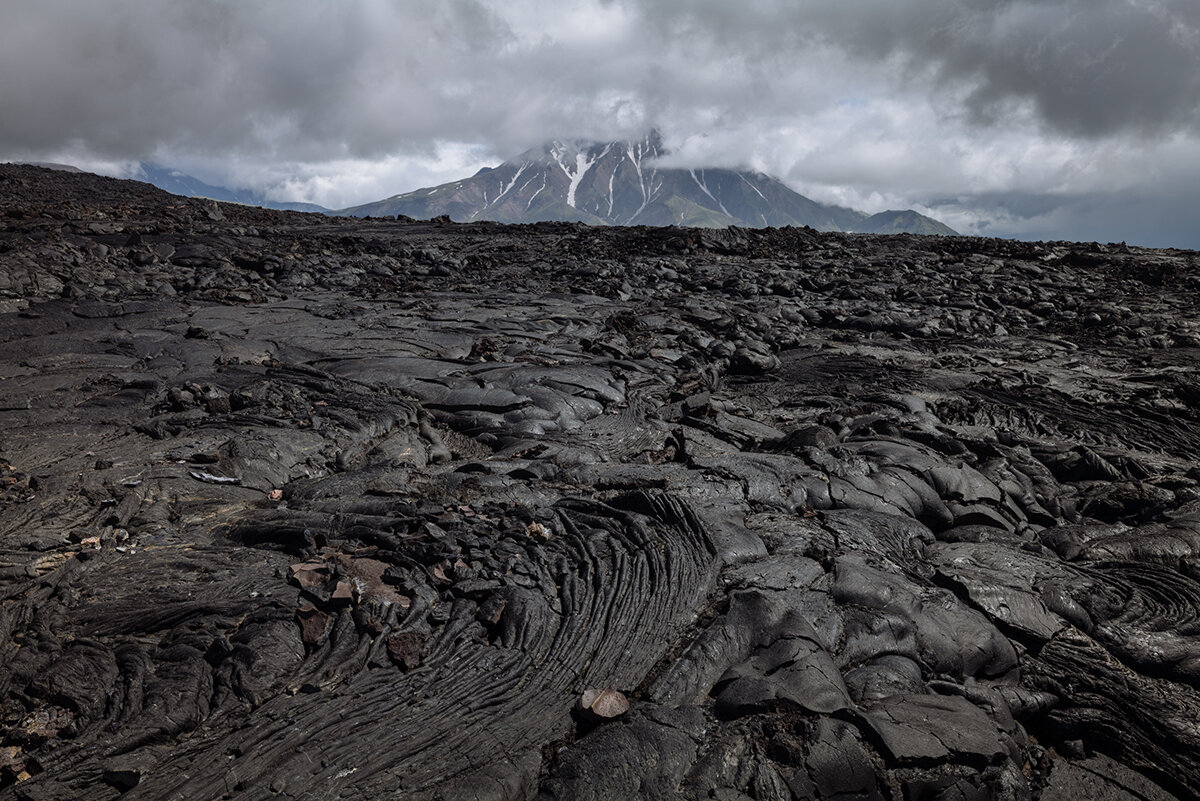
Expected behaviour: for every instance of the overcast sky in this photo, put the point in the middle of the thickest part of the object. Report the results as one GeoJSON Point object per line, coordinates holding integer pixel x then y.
{"type": "Point", "coordinates": [1043, 119]}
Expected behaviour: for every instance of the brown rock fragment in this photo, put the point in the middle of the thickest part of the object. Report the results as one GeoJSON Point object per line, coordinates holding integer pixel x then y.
{"type": "Point", "coordinates": [342, 594]}
{"type": "Point", "coordinates": [314, 624]}
{"type": "Point", "coordinates": [404, 649]}
{"type": "Point", "coordinates": [12, 762]}
{"type": "Point", "coordinates": [605, 703]}
{"type": "Point", "coordinates": [309, 574]}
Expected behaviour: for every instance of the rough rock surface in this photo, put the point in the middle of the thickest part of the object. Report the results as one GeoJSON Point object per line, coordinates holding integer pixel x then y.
{"type": "Point", "coordinates": [305, 508]}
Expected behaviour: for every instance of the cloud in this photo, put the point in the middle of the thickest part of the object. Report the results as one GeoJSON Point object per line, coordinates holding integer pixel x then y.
{"type": "Point", "coordinates": [368, 77]}
{"type": "Point", "coordinates": [1088, 67]}
{"type": "Point", "coordinates": [875, 104]}
{"type": "Point", "coordinates": [298, 79]}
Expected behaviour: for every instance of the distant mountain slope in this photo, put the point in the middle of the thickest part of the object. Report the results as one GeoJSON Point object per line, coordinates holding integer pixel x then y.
{"type": "Point", "coordinates": [903, 222]}
{"type": "Point", "coordinates": [180, 183]}
{"type": "Point", "coordinates": [618, 183]}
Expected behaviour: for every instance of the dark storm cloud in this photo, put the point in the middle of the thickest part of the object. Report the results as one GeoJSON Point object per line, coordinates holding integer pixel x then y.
{"type": "Point", "coordinates": [302, 78]}
{"type": "Point", "coordinates": [313, 79]}
{"type": "Point", "coordinates": [306, 80]}
{"type": "Point", "coordinates": [1090, 67]}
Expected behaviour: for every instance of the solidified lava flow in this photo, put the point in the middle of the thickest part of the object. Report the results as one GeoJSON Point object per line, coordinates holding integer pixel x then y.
{"type": "Point", "coordinates": [300, 507]}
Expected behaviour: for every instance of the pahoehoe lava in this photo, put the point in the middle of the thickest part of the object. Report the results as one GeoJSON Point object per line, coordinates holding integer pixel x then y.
{"type": "Point", "coordinates": [299, 507]}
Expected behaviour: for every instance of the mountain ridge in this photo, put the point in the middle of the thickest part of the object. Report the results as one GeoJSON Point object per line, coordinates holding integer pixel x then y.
{"type": "Point", "coordinates": [597, 183]}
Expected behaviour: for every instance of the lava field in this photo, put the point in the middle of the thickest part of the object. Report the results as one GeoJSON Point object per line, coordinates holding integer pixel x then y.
{"type": "Point", "coordinates": [304, 507]}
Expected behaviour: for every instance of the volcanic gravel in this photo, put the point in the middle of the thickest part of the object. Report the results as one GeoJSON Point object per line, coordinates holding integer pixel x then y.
{"type": "Point", "coordinates": [299, 507]}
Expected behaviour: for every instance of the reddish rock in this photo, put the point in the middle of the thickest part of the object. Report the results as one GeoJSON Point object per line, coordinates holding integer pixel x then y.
{"type": "Point", "coordinates": [314, 624]}
{"type": "Point", "coordinates": [404, 649]}
{"type": "Point", "coordinates": [309, 574]}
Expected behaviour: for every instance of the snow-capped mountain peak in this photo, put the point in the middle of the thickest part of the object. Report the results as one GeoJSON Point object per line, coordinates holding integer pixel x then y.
{"type": "Point", "coordinates": [621, 183]}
